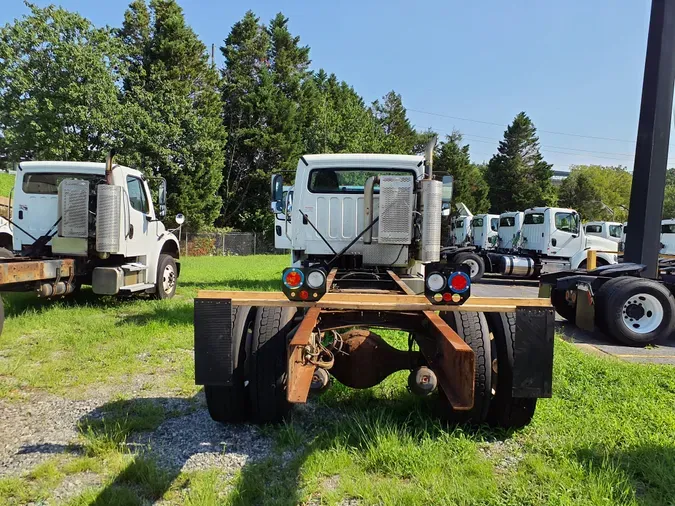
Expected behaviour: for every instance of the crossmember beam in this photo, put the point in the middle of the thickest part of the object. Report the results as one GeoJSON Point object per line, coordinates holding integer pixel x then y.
{"type": "Point", "coordinates": [374, 302]}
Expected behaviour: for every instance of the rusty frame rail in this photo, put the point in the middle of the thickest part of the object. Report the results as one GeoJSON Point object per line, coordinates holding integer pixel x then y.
{"type": "Point", "coordinates": [18, 270]}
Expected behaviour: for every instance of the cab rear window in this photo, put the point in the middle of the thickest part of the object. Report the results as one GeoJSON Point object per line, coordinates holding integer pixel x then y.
{"type": "Point", "coordinates": [347, 180]}
{"type": "Point", "coordinates": [507, 221]}
{"type": "Point", "coordinates": [48, 183]}
{"type": "Point", "coordinates": [594, 229]}
{"type": "Point", "coordinates": [534, 219]}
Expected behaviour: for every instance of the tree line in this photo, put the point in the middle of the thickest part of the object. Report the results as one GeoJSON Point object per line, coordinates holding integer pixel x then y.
{"type": "Point", "coordinates": [149, 89]}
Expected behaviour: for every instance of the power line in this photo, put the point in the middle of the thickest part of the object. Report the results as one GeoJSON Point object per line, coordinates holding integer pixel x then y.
{"type": "Point", "coordinates": [503, 125]}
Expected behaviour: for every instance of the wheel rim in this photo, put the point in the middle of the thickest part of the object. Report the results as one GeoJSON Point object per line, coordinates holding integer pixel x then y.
{"type": "Point", "coordinates": [473, 265]}
{"type": "Point", "coordinates": [168, 279]}
{"type": "Point", "coordinates": [642, 313]}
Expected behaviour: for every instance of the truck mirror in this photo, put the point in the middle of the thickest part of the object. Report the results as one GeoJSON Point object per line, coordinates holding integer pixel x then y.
{"type": "Point", "coordinates": [180, 219]}
{"type": "Point", "coordinates": [162, 198]}
{"type": "Point", "coordinates": [447, 189]}
{"type": "Point", "coordinates": [277, 193]}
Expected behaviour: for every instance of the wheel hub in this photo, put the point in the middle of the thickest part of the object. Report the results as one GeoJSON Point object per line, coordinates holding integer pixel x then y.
{"type": "Point", "coordinates": [473, 266]}
{"type": "Point", "coordinates": [642, 313]}
{"type": "Point", "coordinates": [168, 279]}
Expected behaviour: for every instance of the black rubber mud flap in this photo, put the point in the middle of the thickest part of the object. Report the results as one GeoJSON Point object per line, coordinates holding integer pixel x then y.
{"type": "Point", "coordinates": [533, 361]}
{"type": "Point", "coordinates": [213, 342]}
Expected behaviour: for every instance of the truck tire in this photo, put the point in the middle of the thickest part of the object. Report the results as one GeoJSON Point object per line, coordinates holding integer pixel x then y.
{"type": "Point", "coordinates": [562, 306]}
{"type": "Point", "coordinates": [166, 277]}
{"type": "Point", "coordinates": [505, 410]}
{"type": "Point", "coordinates": [268, 363]}
{"type": "Point", "coordinates": [475, 263]}
{"type": "Point", "coordinates": [600, 301]}
{"type": "Point", "coordinates": [639, 312]}
{"type": "Point", "coordinates": [5, 253]}
{"type": "Point", "coordinates": [227, 404]}
{"type": "Point", "coordinates": [473, 329]}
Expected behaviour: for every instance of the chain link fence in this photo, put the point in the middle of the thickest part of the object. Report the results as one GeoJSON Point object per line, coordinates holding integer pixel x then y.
{"type": "Point", "coordinates": [228, 243]}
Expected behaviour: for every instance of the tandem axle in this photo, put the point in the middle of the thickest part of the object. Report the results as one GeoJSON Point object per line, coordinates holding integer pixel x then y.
{"type": "Point", "coordinates": [486, 360]}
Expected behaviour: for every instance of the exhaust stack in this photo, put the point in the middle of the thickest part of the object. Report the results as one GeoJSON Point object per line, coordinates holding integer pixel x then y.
{"type": "Point", "coordinates": [429, 157]}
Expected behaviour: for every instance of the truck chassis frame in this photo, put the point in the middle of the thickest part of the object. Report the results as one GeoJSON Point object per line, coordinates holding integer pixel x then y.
{"type": "Point", "coordinates": [378, 299]}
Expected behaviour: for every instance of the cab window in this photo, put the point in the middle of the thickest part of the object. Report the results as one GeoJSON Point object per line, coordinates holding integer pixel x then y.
{"type": "Point", "coordinates": [494, 224]}
{"type": "Point", "coordinates": [594, 229]}
{"type": "Point", "coordinates": [615, 231]}
{"type": "Point", "coordinates": [477, 222]}
{"type": "Point", "coordinates": [668, 229]}
{"type": "Point", "coordinates": [534, 219]}
{"type": "Point", "coordinates": [347, 180]}
{"type": "Point", "coordinates": [137, 197]}
{"type": "Point", "coordinates": [507, 221]}
{"type": "Point", "coordinates": [566, 222]}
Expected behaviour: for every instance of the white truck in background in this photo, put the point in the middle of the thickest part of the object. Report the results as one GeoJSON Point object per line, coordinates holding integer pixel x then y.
{"type": "Point", "coordinates": [510, 231]}
{"type": "Point", "coordinates": [484, 231]}
{"type": "Point", "coordinates": [611, 230]}
{"type": "Point", "coordinates": [551, 239]}
{"type": "Point", "coordinates": [88, 223]}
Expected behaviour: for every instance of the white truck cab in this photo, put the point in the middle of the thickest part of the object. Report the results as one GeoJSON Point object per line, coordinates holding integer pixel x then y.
{"type": "Point", "coordinates": [461, 226]}
{"type": "Point", "coordinates": [509, 233]}
{"type": "Point", "coordinates": [668, 237]}
{"type": "Point", "coordinates": [283, 221]}
{"type": "Point", "coordinates": [555, 235]}
{"type": "Point", "coordinates": [484, 230]}
{"type": "Point", "coordinates": [611, 230]}
{"type": "Point", "coordinates": [103, 216]}
{"type": "Point", "coordinates": [362, 210]}
{"type": "Point", "coordinates": [329, 195]}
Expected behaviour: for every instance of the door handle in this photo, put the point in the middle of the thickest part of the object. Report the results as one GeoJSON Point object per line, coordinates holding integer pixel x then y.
{"type": "Point", "coordinates": [21, 215]}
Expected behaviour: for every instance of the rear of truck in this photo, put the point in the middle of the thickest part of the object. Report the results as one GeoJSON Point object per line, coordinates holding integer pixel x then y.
{"type": "Point", "coordinates": [366, 255]}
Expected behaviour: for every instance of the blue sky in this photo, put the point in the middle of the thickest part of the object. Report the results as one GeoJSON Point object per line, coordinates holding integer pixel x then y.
{"type": "Point", "coordinates": [575, 67]}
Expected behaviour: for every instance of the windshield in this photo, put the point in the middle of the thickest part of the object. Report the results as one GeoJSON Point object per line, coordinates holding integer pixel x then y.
{"type": "Point", "coordinates": [347, 180]}
{"type": "Point", "coordinates": [47, 183]}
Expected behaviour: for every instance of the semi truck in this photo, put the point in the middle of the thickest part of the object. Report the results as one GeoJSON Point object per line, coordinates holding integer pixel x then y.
{"type": "Point", "coordinates": [365, 255]}
{"type": "Point", "coordinates": [87, 223]}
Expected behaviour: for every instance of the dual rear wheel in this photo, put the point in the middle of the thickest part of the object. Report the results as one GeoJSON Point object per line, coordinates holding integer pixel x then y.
{"type": "Point", "coordinates": [258, 389]}
{"type": "Point", "coordinates": [634, 311]}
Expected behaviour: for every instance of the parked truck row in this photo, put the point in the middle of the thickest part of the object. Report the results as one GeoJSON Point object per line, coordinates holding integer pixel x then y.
{"type": "Point", "coordinates": [537, 241]}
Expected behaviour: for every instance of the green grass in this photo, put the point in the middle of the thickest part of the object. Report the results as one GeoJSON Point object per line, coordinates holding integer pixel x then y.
{"type": "Point", "coordinates": [606, 437]}
{"type": "Point", "coordinates": [6, 184]}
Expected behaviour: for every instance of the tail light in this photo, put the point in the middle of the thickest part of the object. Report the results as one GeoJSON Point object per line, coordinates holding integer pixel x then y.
{"type": "Point", "coordinates": [447, 284]}
{"type": "Point", "coordinates": [306, 284]}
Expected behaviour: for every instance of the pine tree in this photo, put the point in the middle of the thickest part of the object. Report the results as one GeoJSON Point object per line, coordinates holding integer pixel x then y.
{"type": "Point", "coordinates": [400, 136]}
{"type": "Point", "coordinates": [263, 76]}
{"type": "Point", "coordinates": [518, 176]}
{"type": "Point", "coordinates": [469, 185]}
{"type": "Point", "coordinates": [59, 78]}
{"type": "Point", "coordinates": [175, 127]}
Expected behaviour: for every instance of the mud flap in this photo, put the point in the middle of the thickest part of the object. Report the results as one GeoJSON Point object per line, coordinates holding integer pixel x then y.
{"type": "Point", "coordinates": [213, 342]}
{"type": "Point", "coordinates": [533, 352]}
